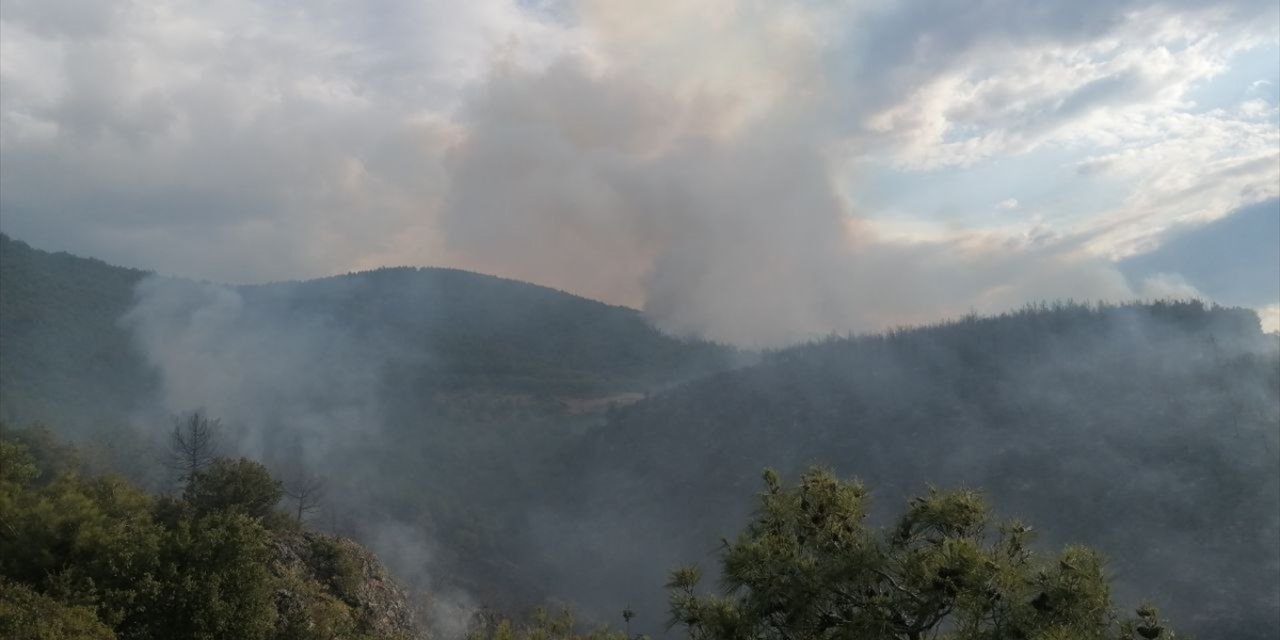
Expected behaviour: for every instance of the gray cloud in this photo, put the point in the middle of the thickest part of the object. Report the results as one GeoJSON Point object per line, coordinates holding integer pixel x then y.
{"type": "Point", "coordinates": [237, 142]}
{"type": "Point", "coordinates": [72, 18]}
{"type": "Point", "coordinates": [903, 45]}
{"type": "Point", "coordinates": [686, 159]}
{"type": "Point", "coordinates": [1235, 260]}
{"type": "Point", "coordinates": [740, 237]}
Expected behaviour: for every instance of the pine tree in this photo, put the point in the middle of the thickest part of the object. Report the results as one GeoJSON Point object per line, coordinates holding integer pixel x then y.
{"type": "Point", "coordinates": [808, 567]}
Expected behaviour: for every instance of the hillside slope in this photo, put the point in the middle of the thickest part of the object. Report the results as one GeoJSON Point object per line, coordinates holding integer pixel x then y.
{"type": "Point", "coordinates": [520, 443]}
{"type": "Point", "coordinates": [63, 357]}
{"type": "Point", "coordinates": [433, 397]}
{"type": "Point", "coordinates": [479, 331]}
{"type": "Point", "coordinates": [69, 359]}
{"type": "Point", "coordinates": [1151, 432]}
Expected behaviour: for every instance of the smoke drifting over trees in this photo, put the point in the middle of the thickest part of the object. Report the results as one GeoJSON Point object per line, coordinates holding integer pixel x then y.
{"type": "Point", "coordinates": [380, 380]}
{"type": "Point", "coordinates": [730, 208]}
{"type": "Point", "coordinates": [1150, 432]}
{"type": "Point", "coordinates": [1036, 407]}
{"type": "Point", "coordinates": [446, 410]}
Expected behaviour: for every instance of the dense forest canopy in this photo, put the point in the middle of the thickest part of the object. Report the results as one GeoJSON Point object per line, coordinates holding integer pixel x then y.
{"type": "Point", "coordinates": [91, 556]}
{"type": "Point", "coordinates": [500, 444]}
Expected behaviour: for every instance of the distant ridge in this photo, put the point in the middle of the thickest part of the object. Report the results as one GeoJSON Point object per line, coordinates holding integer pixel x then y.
{"type": "Point", "coordinates": [551, 446]}
{"type": "Point", "coordinates": [1148, 430]}
{"type": "Point", "coordinates": [67, 358]}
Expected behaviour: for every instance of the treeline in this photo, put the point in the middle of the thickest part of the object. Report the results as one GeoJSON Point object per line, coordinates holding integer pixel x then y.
{"type": "Point", "coordinates": [86, 556]}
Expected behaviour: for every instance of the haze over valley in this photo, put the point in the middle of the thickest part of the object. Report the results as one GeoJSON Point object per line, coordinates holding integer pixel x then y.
{"type": "Point", "coordinates": [500, 444]}
{"type": "Point", "coordinates": [402, 321]}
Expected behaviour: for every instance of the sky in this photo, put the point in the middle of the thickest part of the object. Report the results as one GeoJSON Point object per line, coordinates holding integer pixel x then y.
{"type": "Point", "coordinates": [753, 172]}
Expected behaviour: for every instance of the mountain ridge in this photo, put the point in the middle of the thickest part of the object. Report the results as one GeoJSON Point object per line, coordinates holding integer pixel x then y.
{"type": "Point", "coordinates": [57, 307]}
{"type": "Point", "coordinates": [1148, 430]}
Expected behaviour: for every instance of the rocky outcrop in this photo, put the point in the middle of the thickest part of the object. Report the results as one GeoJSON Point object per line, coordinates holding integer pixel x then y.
{"type": "Point", "coordinates": [331, 587]}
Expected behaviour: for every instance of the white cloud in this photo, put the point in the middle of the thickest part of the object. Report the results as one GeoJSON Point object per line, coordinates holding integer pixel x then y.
{"type": "Point", "coordinates": [676, 155]}
{"type": "Point", "coordinates": [1119, 98]}
{"type": "Point", "coordinates": [1190, 168]}
{"type": "Point", "coordinates": [1270, 318]}
{"type": "Point", "coordinates": [1011, 98]}
{"type": "Point", "coordinates": [1163, 286]}
{"type": "Point", "coordinates": [243, 141]}
{"type": "Point", "coordinates": [1256, 108]}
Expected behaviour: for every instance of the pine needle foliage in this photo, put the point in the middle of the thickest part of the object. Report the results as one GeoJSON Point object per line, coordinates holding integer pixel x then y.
{"type": "Point", "coordinates": [809, 567]}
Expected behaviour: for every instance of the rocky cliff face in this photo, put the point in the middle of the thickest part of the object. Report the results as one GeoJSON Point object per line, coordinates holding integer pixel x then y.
{"type": "Point", "coordinates": [331, 587]}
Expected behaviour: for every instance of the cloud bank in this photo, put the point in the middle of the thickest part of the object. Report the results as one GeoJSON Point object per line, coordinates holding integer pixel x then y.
{"type": "Point", "coordinates": [707, 163]}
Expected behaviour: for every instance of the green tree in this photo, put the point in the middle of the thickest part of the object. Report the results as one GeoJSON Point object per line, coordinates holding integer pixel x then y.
{"type": "Point", "coordinates": [215, 581]}
{"type": "Point", "coordinates": [542, 625]}
{"type": "Point", "coordinates": [808, 566]}
{"type": "Point", "coordinates": [17, 468]}
{"type": "Point", "coordinates": [27, 615]}
{"type": "Point", "coordinates": [83, 542]}
{"type": "Point", "coordinates": [93, 557]}
{"type": "Point", "coordinates": [240, 486]}
{"type": "Point", "coordinates": [51, 456]}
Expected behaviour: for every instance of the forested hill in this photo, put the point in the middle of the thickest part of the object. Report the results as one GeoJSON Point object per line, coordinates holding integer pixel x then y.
{"type": "Point", "coordinates": [493, 439]}
{"type": "Point", "coordinates": [63, 356]}
{"type": "Point", "coordinates": [443, 391]}
{"type": "Point", "coordinates": [1149, 431]}
{"type": "Point", "coordinates": [481, 331]}
{"type": "Point", "coordinates": [68, 358]}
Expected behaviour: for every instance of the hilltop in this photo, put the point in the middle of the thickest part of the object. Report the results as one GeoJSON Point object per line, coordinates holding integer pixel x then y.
{"type": "Point", "coordinates": [68, 358]}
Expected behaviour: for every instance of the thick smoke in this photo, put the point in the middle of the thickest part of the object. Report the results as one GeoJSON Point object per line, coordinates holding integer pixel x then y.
{"type": "Point", "coordinates": [296, 391]}
{"type": "Point", "coordinates": [707, 161]}
{"type": "Point", "coordinates": [287, 387]}
{"type": "Point", "coordinates": [705, 233]}
{"type": "Point", "coordinates": [711, 196]}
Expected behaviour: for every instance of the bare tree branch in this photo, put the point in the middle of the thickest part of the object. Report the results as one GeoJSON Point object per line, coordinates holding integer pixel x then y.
{"type": "Point", "coordinates": [192, 444]}
{"type": "Point", "coordinates": [308, 490]}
